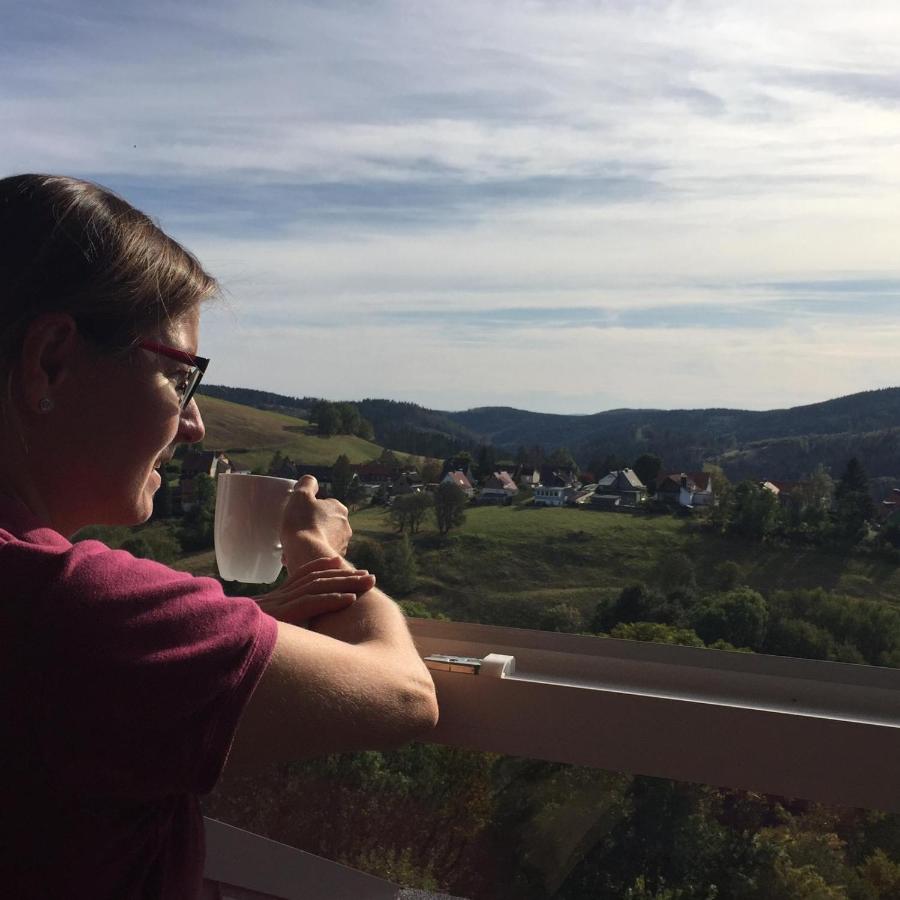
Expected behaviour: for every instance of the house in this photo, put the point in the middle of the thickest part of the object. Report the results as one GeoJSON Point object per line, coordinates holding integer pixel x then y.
{"type": "Point", "coordinates": [323, 474]}
{"type": "Point", "coordinates": [621, 489]}
{"type": "Point", "coordinates": [781, 489]}
{"type": "Point", "coordinates": [527, 476]}
{"type": "Point", "coordinates": [461, 481]}
{"type": "Point", "coordinates": [408, 482]}
{"type": "Point", "coordinates": [567, 473]}
{"type": "Point", "coordinates": [199, 462]}
{"type": "Point", "coordinates": [499, 488]}
{"type": "Point", "coordinates": [556, 487]}
{"type": "Point", "coordinates": [582, 495]}
{"type": "Point", "coordinates": [890, 508]}
{"type": "Point", "coordinates": [458, 464]}
{"type": "Point", "coordinates": [686, 489]}
{"type": "Point", "coordinates": [283, 468]}
{"type": "Point", "coordinates": [204, 462]}
{"type": "Point", "coordinates": [375, 474]}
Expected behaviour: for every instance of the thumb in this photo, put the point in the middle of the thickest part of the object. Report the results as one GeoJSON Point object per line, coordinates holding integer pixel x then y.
{"type": "Point", "coordinates": [308, 485]}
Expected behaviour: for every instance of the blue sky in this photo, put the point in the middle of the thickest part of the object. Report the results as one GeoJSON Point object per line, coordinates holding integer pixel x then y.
{"type": "Point", "coordinates": [561, 206]}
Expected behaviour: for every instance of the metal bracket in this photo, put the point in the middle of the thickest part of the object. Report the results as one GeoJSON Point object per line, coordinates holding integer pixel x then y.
{"type": "Point", "coordinates": [494, 665]}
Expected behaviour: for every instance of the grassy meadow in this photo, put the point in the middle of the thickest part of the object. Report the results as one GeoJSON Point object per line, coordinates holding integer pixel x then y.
{"type": "Point", "coordinates": [251, 437]}
{"type": "Point", "coordinates": [506, 563]}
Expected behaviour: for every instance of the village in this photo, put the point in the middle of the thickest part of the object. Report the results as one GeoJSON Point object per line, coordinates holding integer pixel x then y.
{"type": "Point", "coordinates": [380, 481]}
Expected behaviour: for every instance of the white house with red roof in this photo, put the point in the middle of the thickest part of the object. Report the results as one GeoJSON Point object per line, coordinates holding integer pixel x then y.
{"type": "Point", "coordinates": [499, 488]}
{"type": "Point", "coordinates": [688, 489]}
{"type": "Point", "coordinates": [460, 480]}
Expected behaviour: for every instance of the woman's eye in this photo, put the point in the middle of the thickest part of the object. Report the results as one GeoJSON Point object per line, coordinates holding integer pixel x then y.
{"type": "Point", "coordinates": [180, 381]}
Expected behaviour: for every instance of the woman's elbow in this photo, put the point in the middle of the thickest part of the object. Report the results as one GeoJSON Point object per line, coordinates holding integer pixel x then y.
{"type": "Point", "coordinates": [428, 707]}
{"type": "Point", "coordinates": [421, 705]}
{"type": "Point", "coordinates": [415, 712]}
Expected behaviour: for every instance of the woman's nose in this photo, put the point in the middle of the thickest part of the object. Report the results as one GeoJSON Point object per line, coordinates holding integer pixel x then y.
{"type": "Point", "coordinates": [190, 425]}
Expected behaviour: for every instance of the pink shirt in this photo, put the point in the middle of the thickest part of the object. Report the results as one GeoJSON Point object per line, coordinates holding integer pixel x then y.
{"type": "Point", "coordinates": [121, 686]}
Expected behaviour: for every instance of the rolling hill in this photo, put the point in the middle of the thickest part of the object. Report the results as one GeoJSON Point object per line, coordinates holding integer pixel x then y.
{"type": "Point", "coordinates": [251, 436]}
{"type": "Point", "coordinates": [781, 443]}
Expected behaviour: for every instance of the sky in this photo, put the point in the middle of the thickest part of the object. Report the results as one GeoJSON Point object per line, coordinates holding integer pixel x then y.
{"type": "Point", "coordinates": [562, 206]}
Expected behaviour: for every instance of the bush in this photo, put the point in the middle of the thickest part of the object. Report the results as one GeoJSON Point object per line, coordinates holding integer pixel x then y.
{"type": "Point", "coordinates": [369, 555]}
{"type": "Point", "coordinates": [739, 617]}
{"type": "Point", "coordinates": [656, 633]}
{"type": "Point", "coordinates": [400, 567]}
{"type": "Point", "coordinates": [562, 617]}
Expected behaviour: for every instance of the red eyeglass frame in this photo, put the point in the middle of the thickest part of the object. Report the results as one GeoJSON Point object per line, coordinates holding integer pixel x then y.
{"type": "Point", "coordinates": [197, 363]}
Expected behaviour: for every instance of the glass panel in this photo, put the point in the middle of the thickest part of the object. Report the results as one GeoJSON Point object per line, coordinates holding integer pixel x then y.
{"type": "Point", "coordinates": [478, 825]}
{"type": "Point", "coordinates": [661, 577]}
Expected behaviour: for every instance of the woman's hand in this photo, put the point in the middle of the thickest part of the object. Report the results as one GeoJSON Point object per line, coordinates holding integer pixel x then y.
{"type": "Point", "coordinates": [312, 528]}
{"type": "Point", "coordinates": [321, 586]}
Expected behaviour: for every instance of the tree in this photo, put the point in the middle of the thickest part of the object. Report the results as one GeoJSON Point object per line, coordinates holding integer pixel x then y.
{"type": "Point", "coordinates": [601, 466]}
{"type": "Point", "coordinates": [342, 478]}
{"type": "Point", "coordinates": [408, 510]}
{"type": "Point", "coordinates": [322, 415]}
{"type": "Point", "coordinates": [647, 467]}
{"type": "Point", "coordinates": [854, 506]}
{"type": "Point", "coordinates": [276, 463]}
{"type": "Point", "coordinates": [485, 461]}
{"type": "Point", "coordinates": [368, 555]}
{"type": "Point", "coordinates": [562, 617]}
{"type": "Point", "coordinates": [562, 458]}
{"type": "Point", "coordinates": [162, 499]}
{"type": "Point", "coordinates": [718, 478]}
{"type": "Point", "coordinates": [197, 530]}
{"type": "Point", "coordinates": [635, 603]}
{"type": "Point", "coordinates": [431, 471]}
{"type": "Point", "coordinates": [739, 616]}
{"type": "Point", "coordinates": [727, 575]}
{"type": "Point", "coordinates": [755, 512]}
{"type": "Point", "coordinates": [389, 458]}
{"type": "Point", "coordinates": [348, 418]}
{"type": "Point", "coordinates": [400, 567]}
{"type": "Point", "coordinates": [366, 430]}
{"type": "Point", "coordinates": [656, 633]}
{"type": "Point", "coordinates": [818, 490]}
{"type": "Point", "coordinates": [449, 506]}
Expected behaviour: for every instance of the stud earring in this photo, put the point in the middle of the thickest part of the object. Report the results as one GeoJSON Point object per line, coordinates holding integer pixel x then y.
{"type": "Point", "coordinates": [45, 405]}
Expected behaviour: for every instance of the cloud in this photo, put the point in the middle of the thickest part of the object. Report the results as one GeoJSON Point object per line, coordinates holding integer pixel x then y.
{"type": "Point", "coordinates": [693, 182]}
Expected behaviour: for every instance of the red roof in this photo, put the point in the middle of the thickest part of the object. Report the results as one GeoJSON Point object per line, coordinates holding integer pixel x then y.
{"type": "Point", "coordinates": [700, 480]}
{"type": "Point", "coordinates": [460, 480]}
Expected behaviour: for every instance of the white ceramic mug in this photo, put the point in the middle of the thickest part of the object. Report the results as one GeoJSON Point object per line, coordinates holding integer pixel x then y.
{"type": "Point", "coordinates": [248, 526]}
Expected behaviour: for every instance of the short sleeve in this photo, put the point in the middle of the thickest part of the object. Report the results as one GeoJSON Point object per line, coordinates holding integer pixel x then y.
{"type": "Point", "coordinates": [146, 673]}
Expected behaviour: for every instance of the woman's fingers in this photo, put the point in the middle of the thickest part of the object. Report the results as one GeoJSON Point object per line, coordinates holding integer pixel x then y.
{"type": "Point", "coordinates": [299, 613]}
{"type": "Point", "coordinates": [323, 563]}
{"type": "Point", "coordinates": [358, 583]}
{"type": "Point", "coordinates": [299, 601]}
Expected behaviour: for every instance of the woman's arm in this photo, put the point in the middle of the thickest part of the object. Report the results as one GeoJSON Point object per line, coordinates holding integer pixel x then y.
{"type": "Point", "coordinates": [353, 680]}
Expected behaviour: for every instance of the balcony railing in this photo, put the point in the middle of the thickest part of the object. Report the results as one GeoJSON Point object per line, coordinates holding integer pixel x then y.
{"type": "Point", "coordinates": [800, 728]}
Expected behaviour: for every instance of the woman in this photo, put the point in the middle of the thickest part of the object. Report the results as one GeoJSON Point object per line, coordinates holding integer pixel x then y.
{"type": "Point", "coordinates": [126, 685]}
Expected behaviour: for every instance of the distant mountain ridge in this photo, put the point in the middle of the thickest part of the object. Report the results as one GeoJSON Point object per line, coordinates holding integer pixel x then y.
{"type": "Point", "coordinates": [781, 443]}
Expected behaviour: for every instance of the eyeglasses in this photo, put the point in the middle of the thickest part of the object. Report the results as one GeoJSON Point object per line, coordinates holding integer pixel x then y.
{"type": "Point", "coordinates": [192, 378]}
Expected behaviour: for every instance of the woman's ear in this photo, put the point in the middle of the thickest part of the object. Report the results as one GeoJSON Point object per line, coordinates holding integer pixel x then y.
{"type": "Point", "coordinates": [50, 350]}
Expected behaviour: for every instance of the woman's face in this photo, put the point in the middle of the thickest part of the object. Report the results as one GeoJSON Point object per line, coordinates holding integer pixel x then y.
{"type": "Point", "coordinates": [116, 421]}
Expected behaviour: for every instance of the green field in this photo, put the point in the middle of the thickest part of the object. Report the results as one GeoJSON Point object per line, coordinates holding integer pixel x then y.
{"type": "Point", "coordinates": [505, 563]}
{"type": "Point", "coordinates": [251, 436]}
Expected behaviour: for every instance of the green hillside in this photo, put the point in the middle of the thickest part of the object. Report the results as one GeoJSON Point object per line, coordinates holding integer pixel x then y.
{"type": "Point", "coordinates": [782, 443]}
{"type": "Point", "coordinates": [251, 436]}
{"type": "Point", "coordinates": [507, 564]}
